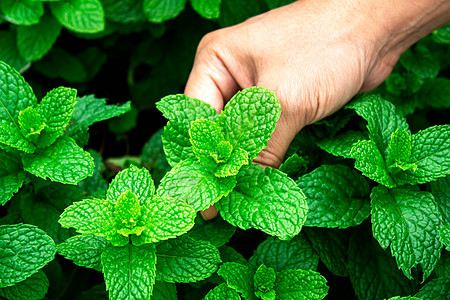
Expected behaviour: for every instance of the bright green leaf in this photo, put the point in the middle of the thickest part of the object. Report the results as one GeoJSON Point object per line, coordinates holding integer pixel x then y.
{"type": "Point", "coordinates": [9, 185]}
{"type": "Point", "coordinates": [264, 282]}
{"type": "Point", "coordinates": [186, 260]}
{"type": "Point", "coordinates": [127, 214]}
{"type": "Point", "coordinates": [238, 277]}
{"type": "Point", "coordinates": [31, 124]}
{"type": "Point", "coordinates": [24, 250]}
{"type": "Point", "coordinates": [249, 118]}
{"type": "Point", "coordinates": [206, 8]}
{"type": "Point", "coordinates": [441, 192]}
{"type": "Point", "coordinates": [83, 16]}
{"type": "Point", "coordinates": [84, 250]}
{"type": "Point", "coordinates": [33, 288]}
{"type": "Point", "coordinates": [399, 150]}
{"type": "Point", "coordinates": [238, 158]}
{"type": "Point", "coordinates": [221, 292]}
{"type": "Point", "coordinates": [63, 162]}
{"type": "Point", "coordinates": [444, 236]}
{"type": "Point", "coordinates": [300, 284]}
{"type": "Point", "coordinates": [22, 12]}
{"type": "Point", "coordinates": [158, 11]}
{"type": "Point", "coordinates": [205, 135]}
{"type": "Point", "coordinates": [216, 231]}
{"type": "Point", "coordinates": [265, 199]}
{"type": "Point", "coordinates": [193, 183]}
{"type": "Point", "coordinates": [129, 271]}
{"type": "Point", "coordinates": [341, 145]}
{"type": "Point", "coordinates": [407, 219]}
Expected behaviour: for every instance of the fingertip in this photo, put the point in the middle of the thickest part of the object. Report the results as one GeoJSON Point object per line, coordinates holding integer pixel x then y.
{"type": "Point", "coordinates": [210, 213]}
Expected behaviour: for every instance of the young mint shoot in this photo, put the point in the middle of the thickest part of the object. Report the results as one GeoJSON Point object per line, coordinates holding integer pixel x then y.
{"type": "Point", "coordinates": [212, 155]}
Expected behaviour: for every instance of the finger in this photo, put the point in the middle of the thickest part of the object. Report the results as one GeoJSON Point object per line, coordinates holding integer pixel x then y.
{"type": "Point", "coordinates": [210, 81]}
{"type": "Point", "coordinates": [210, 213]}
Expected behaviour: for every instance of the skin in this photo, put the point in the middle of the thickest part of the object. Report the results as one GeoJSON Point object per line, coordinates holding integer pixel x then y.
{"type": "Point", "coordinates": [314, 54]}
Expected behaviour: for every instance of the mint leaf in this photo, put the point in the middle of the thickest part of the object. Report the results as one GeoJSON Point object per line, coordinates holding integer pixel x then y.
{"type": "Point", "coordinates": [127, 214]}
{"type": "Point", "coordinates": [442, 35]}
{"type": "Point", "coordinates": [33, 288]}
{"type": "Point", "coordinates": [238, 277]}
{"type": "Point", "coordinates": [84, 250]}
{"type": "Point", "coordinates": [282, 255]}
{"type": "Point", "coordinates": [381, 117]}
{"type": "Point", "coordinates": [370, 162]}
{"type": "Point", "coordinates": [56, 109]}
{"type": "Point", "coordinates": [9, 53]}
{"type": "Point", "coordinates": [430, 154]}
{"type": "Point", "coordinates": [15, 95]}
{"type": "Point", "coordinates": [435, 289]}
{"type": "Point", "coordinates": [337, 196]}
{"type": "Point", "coordinates": [332, 246]}
{"type": "Point", "coordinates": [63, 162]}
{"type": "Point", "coordinates": [407, 219]}
{"type": "Point", "coordinates": [31, 124]}
{"type": "Point", "coordinates": [93, 216]}
{"type": "Point", "coordinates": [294, 164]}
{"type": "Point", "coordinates": [420, 62]}
{"type": "Point", "coordinates": [265, 199]}
{"type": "Point", "coordinates": [158, 11]}
{"type": "Point", "coordinates": [24, 12]}
{"type": "Point", "coordinates": [195, 184]}
{"type": "Point", "coordinates": [181, 111]}
{"type": "Point", "coordinates": [164, 291]}
{"type": "Point", "coordinates": [124, 11]}
{"type": "Point", "coordinates": [441, 192]}
{"type": "Point", "coordinates": [216, 231]}
{"type": "Point", "coordinates": [206, 8]}
{"type": "Point", "coordinates": [222, 291]}
{"type": "Point", "coordinates": [83, 16]}
{"type": "Point", "coordinates": [186, 260]}
{"type": "Point", "coordinates": [237, 159]}
{"type": "Point", "coordinates": [33, 42]}
{"type": "Point", "coordinates": [24, 250]}
{"type": "Point", "coordinates": [341, 145]}
{"type": "Point", "coordinates": [134, 179]}
{"type": "Point", "coordinates": [373, 272]}
{"type": "Point", "coordinates": [399, 150]}
{"type": "Point", "coordinates": [129, 271]}
{"type": "Point", "coordinates": [164, 219]}
{"type": "Point", "coordinates": [264, 282]}
{"type": "Point", "coordinates": [300, 284]}
{"type": "Point", "coordinates": [9, 185]}
{"type": "Point", "coordinates": [205, 136]}
{"type": "Point", "coordinates": [249, 118]}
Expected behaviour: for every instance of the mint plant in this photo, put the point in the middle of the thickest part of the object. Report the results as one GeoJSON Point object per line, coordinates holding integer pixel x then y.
{"type": "Point", "coordinates": [118, 236]}
{"type": "Point", "coordinates": [211, 157]}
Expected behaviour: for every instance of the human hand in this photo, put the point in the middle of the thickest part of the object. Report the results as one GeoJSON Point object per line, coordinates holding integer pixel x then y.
{"type": "Point", "coordinates": [315, 55]}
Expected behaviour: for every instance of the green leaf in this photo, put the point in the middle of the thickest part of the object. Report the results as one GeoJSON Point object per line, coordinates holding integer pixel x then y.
{"type": "Point", "coordinates": [420, 61]}
{"type": "Point", "coordinates": [205, 135]}
{"type": "Point", "coordinates": [438, 90]}
{"type": "Point", "coordinates": [264, 282]}
{"type": "Point", "coordinates": [216, 231]}
{"type": "Point", "coordinates": [442, 35]}
{"type": "Point", "coordinates": [444, 236]}
{"type": "Point", "coordinates": [93, 216]}
{"type": "Point", "coordinates": [83, 16]}
{"type": "Point", "coordinates": [33, 42]}
{"type": "Point", "coordinates": [186, 260]}
{"type": "Point", "coordinates": [31, 124]}
{"type": "Point", "coordinates": [399, 150]}
{"type": "Point", "coordinates": [9, 53]}
{"type": "Point", "coordinates": [300, 284]}
{"type": "Point", "coordinates": [265, 199]}
{"type": "Point", "coordinates": [33, 288]}
{"type": "Point", "coordinates": [282, 255]}
{"type": "Point", "coordinates": [441, 192]}
{"type": "Point", "coordinates": [24, 250]}
{"type": "Point", "coordinates": [407, 219]}
{"type": "Point", "coordinates": [63, 162]}
{"type": "Point", "coordinates": [84, 250]}
{"type": "Point", "coordinates": [124, 11]}
{"type": "Point", "coordinates": [381, 117]}
{"type": "Point", "coordinates": [15, 96]}
{"type": "Point", "coordinates": [125, 122]}
{"type": "Point", "coordinates": [370, 162]}
{"type": "Point", "coordinates": [249, 118]}
{"type": "Point", "coordinates": [337, 197]}
{"type": "Point", "coordinates": [294, 164]}
{"type": "Point", "coordinates": [221, 292]}
{"type": "Point", "coordinates": [158, 11]}
{"type": "Point", "coordinates": [193, 183]}
{"type": "Point", "coordinates": [164, 291]}
{"type": "Point", "coordinates": [181, 111]}
{"type": "Point", "coordinates": [373, 272]}
{"type": "Point", "coordinates": [238, 277]}
{"type": "Point", "coordinates": [56, 109]}
{"type": "Point", "coordinates": [22, 12]}
{"type": "Point", "coordinates": [341, 145]}
{"type": "Point", "coordinates": [237, 159]}
{"type": "Point", "coordinates": [9, 185]}
{"type": "Point", "coordinates": [127, 214]}
{"type": "Point", "coordinates": [332, 246]}
{"type": "Point", "coordinates": [165, 218]}
{"type": "Point", "coordinates": [430, 153]}
{"type": "Point", "coordinates": [436, 289]}
{"type": "Point", "coordinates": [228, 254]}
{"type": "Point", "coordinates": [134, 179]}
{"type": "Point", "coordinates": [129, 271]}
{"type": "Point", "coordinates": [206, 8]}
